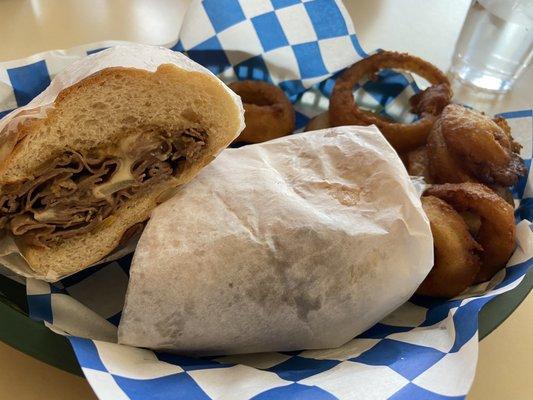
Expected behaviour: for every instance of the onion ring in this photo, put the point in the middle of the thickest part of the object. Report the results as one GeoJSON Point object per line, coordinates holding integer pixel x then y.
{"type": "Point", "coordinates": [321, 121]}
{"type": "Point", "coordinates": [456, 260]}
{"type": "Point", "coordinates": [484, 148]}
{"type": "Point", "coordinates": [502, 123]}
{"type": "Point", "coordinates": [505, 193]}
{"type": "Point", "coordinates": [418, 163]}
{"type": "Point", "coordinates": [497, 231]}
{"type": "Point", "coordinates": [428, 104]}
{"type": "Point", "coordinates": [444, 167]}
{"type": "Point", "coordinates": [472, 221]}
{"type": "Point", "coordinates": [268, 113]}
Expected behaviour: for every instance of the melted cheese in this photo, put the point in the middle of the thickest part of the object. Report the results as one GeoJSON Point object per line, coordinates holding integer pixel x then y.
{"type": "Point", "coordinates": [46, 215]}
{"type": "Point", "coordinates": [121, 179]}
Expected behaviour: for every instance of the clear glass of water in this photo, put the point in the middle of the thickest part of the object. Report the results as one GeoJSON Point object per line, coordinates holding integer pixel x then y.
{"type": "Point", "coordinates": [495, 44]}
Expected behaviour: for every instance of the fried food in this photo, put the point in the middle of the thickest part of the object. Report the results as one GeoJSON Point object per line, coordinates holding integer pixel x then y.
{"type": "Point", "coordinates": [502, 123]}
{"type": "Point", "coordinates": [321, 121]}
{"type": "Point", "coordinates": [431, 100]}
{"type": "Point", "coordinates": [484, 148]}
{"type": "Point", "coordinates": [427, 104]}
{"type": "Point", "coordinates": [268, 113]}
{"type": "Point", "coordinates": [447, 166]}
{"type": "Point", "coordinates": [497, 230]}
{"type": "Point", "coordinates": [418, 163]}
{"type": "Point", "coordinates": [472, 221]}
{"type": "Point", "coordinates": [456, 252]}
{"type": "Point", "coordinates": [444, 167]}
{"type": "Point", "coordinates": [504, 192]}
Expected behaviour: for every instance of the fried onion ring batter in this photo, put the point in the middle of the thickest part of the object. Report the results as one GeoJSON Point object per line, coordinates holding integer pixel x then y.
{"type": "Point", "coordinates": [483, 147]}
{"type": "Point", "coordinates": [444, 167]}
{"type": "Point", "coordinates": [502, 123]}
{"type": "Point", "coordinates": [427, 104]}
{"type": "Point", "coordinates": [321, 121]}
{"type": "Point", "coordinates": [418, 163]}
{"type": "Point", "coordinates": [456, 261]}
{"type": "Point", "coordinates": [496, 233]}
{"type": "Point", "coordinates": [268, 113]}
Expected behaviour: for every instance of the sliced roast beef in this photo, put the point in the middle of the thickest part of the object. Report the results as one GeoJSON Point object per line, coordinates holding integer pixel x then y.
{"type": "Point", "coordinates": [75, 192]}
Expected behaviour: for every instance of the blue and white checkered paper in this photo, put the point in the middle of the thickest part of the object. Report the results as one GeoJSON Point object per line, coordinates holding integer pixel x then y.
{"type": "Point", "coordinates": [427, 349]}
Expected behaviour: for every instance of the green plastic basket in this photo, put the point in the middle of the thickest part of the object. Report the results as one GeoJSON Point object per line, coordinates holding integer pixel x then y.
{"type": "Point", "coordinates": [36, 340]}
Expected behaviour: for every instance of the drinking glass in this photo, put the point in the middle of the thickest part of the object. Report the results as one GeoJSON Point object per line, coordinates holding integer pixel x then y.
{"type": "Point", "coordinates": [495, 44]}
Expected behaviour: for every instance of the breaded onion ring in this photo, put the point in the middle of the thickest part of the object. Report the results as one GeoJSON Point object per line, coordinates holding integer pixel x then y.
{"type": "Point", "coordinates": [505, 193]}
{"type": "Point", "coordinates": [456, 260]}
{"type": "Point", "coordinates": [321, 121]}
{"type": "Point", "coordinates": [428, 104]}
{"type": "Point", "coordinates": [418, 163]}
{"type": "Point", "coordinates": [497, 231]}
{"type": "Point", "coordinates": [472, 221]}
{"type": "Point", "coordinates": [502, 123]}
{"type": "Point", "coordinates": [483, 147]}
{"type": "Point", "coordinates": [268, 113]}
{"type": "Point", "coordinates": [444, 167]}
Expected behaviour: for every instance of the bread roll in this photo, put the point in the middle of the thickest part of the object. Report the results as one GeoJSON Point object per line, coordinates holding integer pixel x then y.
{"type": "Point", "coordinates": [111, 146]}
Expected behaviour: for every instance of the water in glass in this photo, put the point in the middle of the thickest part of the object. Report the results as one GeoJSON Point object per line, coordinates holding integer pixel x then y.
{"type": "Point", "coordinates": [495, 44]}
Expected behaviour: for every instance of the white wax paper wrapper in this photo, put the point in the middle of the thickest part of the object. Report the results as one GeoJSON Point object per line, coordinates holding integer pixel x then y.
{"type": "Point", "coordinates": [423, 350]}
{"type": "Point", "coordinates": [133, 56]}
{"type": "Point", "coordinates": [301, 242]}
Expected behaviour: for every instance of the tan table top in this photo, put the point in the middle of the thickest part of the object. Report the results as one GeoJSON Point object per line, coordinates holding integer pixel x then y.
{"type": "Point", "coordinates": [425, 28]}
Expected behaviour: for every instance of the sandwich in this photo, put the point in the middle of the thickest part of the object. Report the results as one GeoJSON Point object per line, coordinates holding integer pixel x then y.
{"type": "Point", "coordinates": [115, 134]}
{"type": "Point", "coordinates": [302, 242]}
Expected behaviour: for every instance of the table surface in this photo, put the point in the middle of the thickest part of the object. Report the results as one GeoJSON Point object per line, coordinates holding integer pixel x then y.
{"type": "Point", "coordinates": [421, 27]}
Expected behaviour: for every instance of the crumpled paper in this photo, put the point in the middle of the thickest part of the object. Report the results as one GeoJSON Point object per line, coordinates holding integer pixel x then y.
{"type": "Point", "coordinates": [302, 242]}
{"type": "Point", "coordinates": [133, 56]}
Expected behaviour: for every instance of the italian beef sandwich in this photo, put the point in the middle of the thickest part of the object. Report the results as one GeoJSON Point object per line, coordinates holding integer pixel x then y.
{"type": "Point", "coordinates": [114, 135]}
